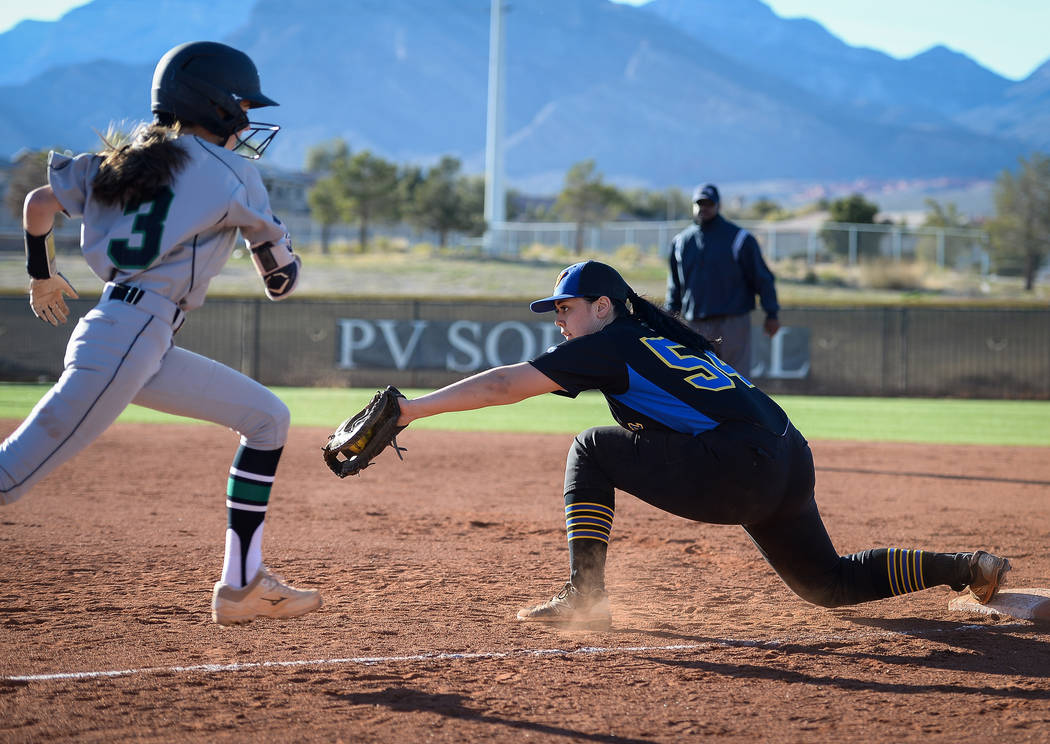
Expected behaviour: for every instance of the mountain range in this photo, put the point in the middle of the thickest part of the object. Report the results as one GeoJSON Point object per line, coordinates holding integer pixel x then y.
{"type": "Point", "coordinates": [665, 94]}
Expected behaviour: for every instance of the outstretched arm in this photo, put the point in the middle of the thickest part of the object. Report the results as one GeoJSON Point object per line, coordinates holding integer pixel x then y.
{"type": "Point", "coordinates": [495, 387]}
{"type": "Point", "coordinates": [364, 435]}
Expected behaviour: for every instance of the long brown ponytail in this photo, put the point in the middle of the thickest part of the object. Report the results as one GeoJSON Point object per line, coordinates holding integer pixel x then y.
{"type": "Point", "coordinates": [135, 172]}
{"type": "Point", "coordinates": [667, 325]}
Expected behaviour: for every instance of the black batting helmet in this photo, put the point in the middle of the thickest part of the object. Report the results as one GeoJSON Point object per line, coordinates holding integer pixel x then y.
{"type": "Point", "coordinates": [204, 82]}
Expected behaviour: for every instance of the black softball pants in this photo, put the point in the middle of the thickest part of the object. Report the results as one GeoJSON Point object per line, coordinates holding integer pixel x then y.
{"type": "Point", "coordinates": [741, 474]}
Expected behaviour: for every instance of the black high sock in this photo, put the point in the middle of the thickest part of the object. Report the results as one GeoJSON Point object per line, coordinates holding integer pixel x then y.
{"type": "Point", "coordinates": [587, 526]}
{"type": "Point", "coordinates": [587, 564]}
{"type": "Point", "coordinates": [896, 571]}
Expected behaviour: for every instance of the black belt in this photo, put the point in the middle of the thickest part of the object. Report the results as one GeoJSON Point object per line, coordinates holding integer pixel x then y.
{"type": "Point", "coordinates": [131, 296]}
{"type": "Point", "coordinates": [126, 293]}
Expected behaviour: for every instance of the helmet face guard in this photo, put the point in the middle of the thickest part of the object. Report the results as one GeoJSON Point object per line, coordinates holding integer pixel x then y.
{"type": "Point", "coordinates": [253, 141]}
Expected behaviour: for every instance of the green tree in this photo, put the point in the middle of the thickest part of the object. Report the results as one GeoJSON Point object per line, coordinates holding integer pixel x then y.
{"type": "Point", "coordinates": [854, 210]}
{"type": "Point", "coordinates": [762, 208]}
{"type": "Point", "coordinates": [369, 185]}
{"type": "Point", "coordinates": [516, 208]}
{"type": "Point", "coordinates": [1020, 231]}
{"type": "Point", "coordinates": [29, 172]}
{"type": "Point", "coordinates": [323, 157]}
{"type": "Point", "coordinates": [408, 182]}
{"type": "Point", "coordinates": [326, 197]}
{"type": "Point", "coordinates": [586, 199]}
{"type": "Point", "coordinates": [943, 215]}
{"type": "Point", "coordinates": [442, 201]}
{"type": "Point", "coordinates": [523, 208]}
{"type": "Point", "coordinates": [473, 195]}
{"type": "Point", "coordinates": [326, 207]}
{"type": "Point", "coordinates": [645, 204]}
{"type": "Point", "coordinates": [765, 209]}
{"type": "Point", "coordinates": [938, 216]}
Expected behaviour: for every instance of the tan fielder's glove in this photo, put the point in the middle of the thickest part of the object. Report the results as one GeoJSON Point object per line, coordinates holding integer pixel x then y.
{"type": "Point", "coordinates": [47, 298]}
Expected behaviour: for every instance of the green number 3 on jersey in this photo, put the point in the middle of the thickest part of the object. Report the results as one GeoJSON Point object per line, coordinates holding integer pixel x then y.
{"type": "Point", "coordinates": [150, 225]}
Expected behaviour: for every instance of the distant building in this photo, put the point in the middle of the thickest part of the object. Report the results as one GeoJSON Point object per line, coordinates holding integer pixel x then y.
{"type": "Point", "coordinates": [287, 190]}
{"type": "Point", "coordinates": [10, 219]}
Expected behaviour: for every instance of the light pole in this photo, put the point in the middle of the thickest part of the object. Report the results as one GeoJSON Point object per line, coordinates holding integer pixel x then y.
{"type": "Point", "coordinates": [495, 193]}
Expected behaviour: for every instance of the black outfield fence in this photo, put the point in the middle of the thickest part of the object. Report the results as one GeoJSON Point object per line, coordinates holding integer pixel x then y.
{"type": "Point", "coordinates": [872, 351]}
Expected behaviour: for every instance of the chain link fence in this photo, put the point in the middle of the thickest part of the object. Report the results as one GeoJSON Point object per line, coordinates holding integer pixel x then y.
{"type": "Point", "coordinates": [955, 248]}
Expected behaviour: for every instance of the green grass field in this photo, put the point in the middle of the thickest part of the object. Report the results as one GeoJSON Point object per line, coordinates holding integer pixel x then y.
{"type": "Point", "coordinates": [867, 419]}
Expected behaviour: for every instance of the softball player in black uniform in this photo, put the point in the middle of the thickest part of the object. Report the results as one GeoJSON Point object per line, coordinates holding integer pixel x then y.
{"type": "Point", "coordinates": [694, 438]}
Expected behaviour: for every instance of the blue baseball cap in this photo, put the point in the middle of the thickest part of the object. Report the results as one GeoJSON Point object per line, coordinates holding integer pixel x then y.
{"type": "Point", "coordinates": [585, 279]}
{"type": "Point", "coordinates": [707, 191]}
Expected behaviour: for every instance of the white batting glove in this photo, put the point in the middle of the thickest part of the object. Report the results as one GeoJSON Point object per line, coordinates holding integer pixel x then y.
{"type": "Point", "coordinates": [46, 297]}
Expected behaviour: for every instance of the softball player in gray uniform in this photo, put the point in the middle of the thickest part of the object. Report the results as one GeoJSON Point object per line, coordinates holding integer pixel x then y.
{"type": "Point", "coordinates": [160, 220]}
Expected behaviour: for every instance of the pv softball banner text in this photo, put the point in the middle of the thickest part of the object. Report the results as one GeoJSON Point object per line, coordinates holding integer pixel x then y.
{"type": "Point", "coordinates": [471, 346]}
{"type": "Point", "coordinates": [457, 346]}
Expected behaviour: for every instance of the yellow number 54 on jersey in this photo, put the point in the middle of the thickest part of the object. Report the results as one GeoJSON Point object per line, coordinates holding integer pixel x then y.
{"type": "Point", "coordinates": [708, 371]}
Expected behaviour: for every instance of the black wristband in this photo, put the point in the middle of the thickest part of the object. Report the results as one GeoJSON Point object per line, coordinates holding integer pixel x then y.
{"type": "Point", "coordinates": [39, 253]}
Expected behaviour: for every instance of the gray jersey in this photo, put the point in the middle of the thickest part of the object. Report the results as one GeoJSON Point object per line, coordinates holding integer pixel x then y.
{"type": "Point", "coordinates": [175, 244]}
{"type": "Point", "coordinates": [157, 259]}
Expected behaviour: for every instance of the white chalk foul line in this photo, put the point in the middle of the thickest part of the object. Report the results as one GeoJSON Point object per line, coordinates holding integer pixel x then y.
{"type": "Point", "coordinates": [518, 653]}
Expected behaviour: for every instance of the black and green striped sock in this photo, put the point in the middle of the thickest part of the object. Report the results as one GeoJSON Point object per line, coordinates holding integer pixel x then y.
{"type": "Point", "coordinates": [247, 496]}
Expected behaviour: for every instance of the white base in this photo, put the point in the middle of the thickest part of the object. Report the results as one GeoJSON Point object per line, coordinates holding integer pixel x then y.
{"type": "Point", "coordinates": [1026, 604]}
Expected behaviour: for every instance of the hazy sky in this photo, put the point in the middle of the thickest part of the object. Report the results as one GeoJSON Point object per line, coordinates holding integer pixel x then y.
{"type": "Point", "coordinates": [12, 11]}
{"type": "Point", "coordinates": [1007, 36]}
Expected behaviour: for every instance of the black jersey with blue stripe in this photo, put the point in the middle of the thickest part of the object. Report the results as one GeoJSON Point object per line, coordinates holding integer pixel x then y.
{"type": "Point", "coordinates": [651, 382]}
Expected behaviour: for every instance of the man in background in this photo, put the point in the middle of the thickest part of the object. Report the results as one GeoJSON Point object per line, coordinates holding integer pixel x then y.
{"type": "Point", "coordinates": [716, 269]}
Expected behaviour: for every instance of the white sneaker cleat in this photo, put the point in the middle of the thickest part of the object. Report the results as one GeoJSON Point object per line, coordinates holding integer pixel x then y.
{"type": "Point", "coordinates": [266, 596]}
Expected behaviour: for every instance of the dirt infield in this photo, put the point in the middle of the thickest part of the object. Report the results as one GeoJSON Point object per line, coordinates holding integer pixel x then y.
{"type": "Point", "coordinates": [107, 571]}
